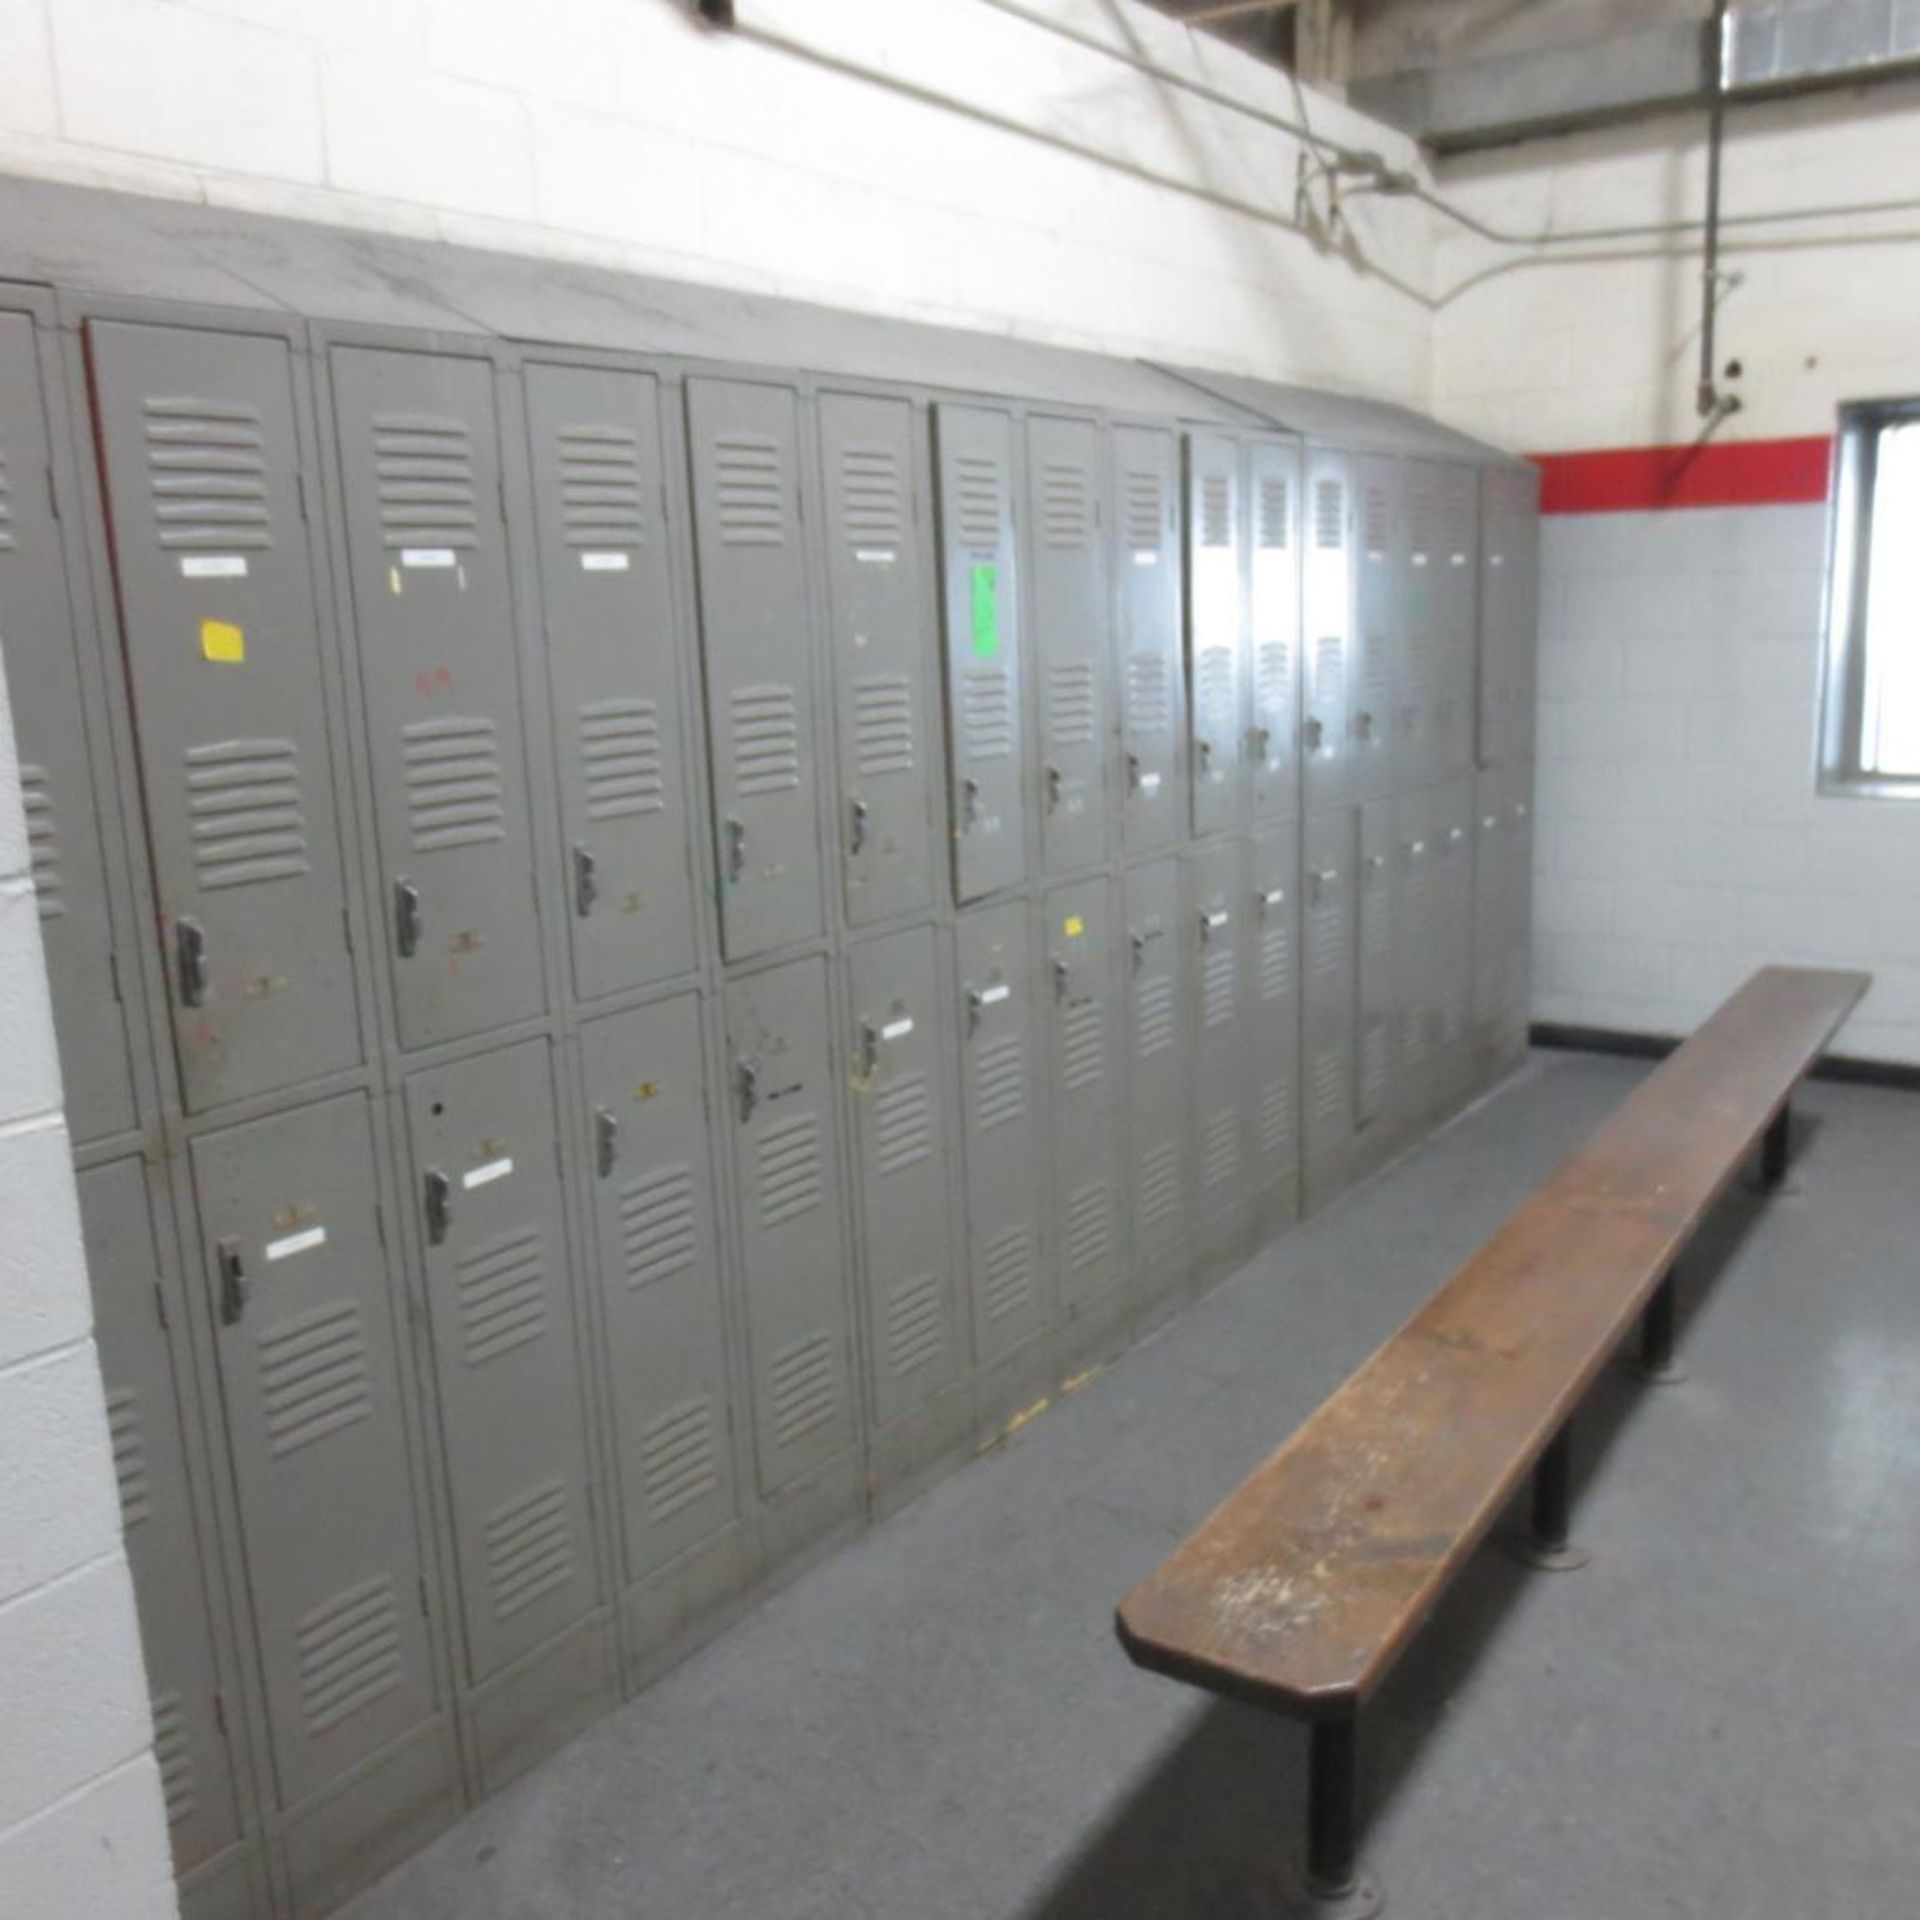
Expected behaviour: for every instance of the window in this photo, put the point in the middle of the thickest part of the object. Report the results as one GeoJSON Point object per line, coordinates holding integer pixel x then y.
{"type": "Point", "coordinates": [1871, 724]}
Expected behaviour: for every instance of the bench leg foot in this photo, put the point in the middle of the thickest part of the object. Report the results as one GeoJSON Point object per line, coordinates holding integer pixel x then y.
{"type": "Point", "coordinates": [1335, 1888]}
{"type": "Point", "coordinates": [1656, 1366]}
{"type": "Point", "coordinates": [1547, 1546]}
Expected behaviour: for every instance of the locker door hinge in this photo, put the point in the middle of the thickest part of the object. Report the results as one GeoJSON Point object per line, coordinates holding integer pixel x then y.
{"type": "Point", "coordinates": [113, 976]}
{"type": "Point", "coordinates": [346, 929]}
{"type": "Point", "coordinates": [426, 1612]}
{"type": "Point", "coordinates": [160, 1307]}
{"type": "Point", "coordinates": [53, 493]}
{"type": "Point", "coordinates": [300, 491]}
{"type": "Point", "coordinates": [220, 1710]}
{"type": "Point", "coordinates": [380, 1223]}
{"type": "Point", "coordinates": [500, 487]}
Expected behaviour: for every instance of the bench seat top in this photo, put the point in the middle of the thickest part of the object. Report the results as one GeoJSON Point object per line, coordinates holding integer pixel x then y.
{"type": "Point", "coordinates": [1302, 1588]}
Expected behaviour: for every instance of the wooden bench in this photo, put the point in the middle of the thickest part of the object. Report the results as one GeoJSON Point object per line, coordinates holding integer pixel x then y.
{"type": "Point", "coordinates": [1300, 1591]}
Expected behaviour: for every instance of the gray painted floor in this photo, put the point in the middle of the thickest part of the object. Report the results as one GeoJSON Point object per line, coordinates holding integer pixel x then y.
{"type": "Point", "coordinates": [1720, 1716]}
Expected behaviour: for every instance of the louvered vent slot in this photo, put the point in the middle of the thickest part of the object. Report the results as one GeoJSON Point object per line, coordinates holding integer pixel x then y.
{"type": "Point", "coordinates": [979, 503]}
{"type": "Point", "coordinates": [1330, 1088]}
{"type": "Point", "coordinates": [1329, 515]}
{"type": "Point", "coordinates": [1219, 984]}
{"type": "Point", "coordinates": [1144, 505]}
{"type": "Point", "coordinates": [1158, 1193]}
{"type": "Point", "coordinates": [1373, 691]}
{"type": "Point", "coordinates": [502, 1288]}
{"type": "Point", "coordinates": [1066, 504]}
{"type": "Point", "coordinates": [788, 1161]}
{"type": "Point", "coordinates": [1376, 929]}
{"type": "Point", "coordinates": [314, 1380]}
{"type": "Point", "coordinates": [43, 841]}
{"type": "Point", "coordinates": [804, 1388]}
{"type": "Point", "coordinates": [620, 755]}
{"type": "Point", "coordinates": [243, 799]}
{"type": "Point", "coordinates": [1007, 1273]}
{"type": "Point", "coordinates": [1216, 510]}
{"type": "Point", "coordinates": [1083, 1046]}
{"type": "Point", "coordinates": [1089, 1226]}
{"type": "Point", "coordinates": [1374, 523]}
{"type": "Point", "coordinates": [129, 1457]}
{"type": "Point", "coordinates": [679, 1458]}
{"type": "Point", "coordinates": [1000, 1084]}
{"type": "Point", "coordinates": [173, 1752]}
{"type": "Point", "coordinates": [529, 1548]}
{"type": "Point", "coordinates": [423, 471]}
{"type": "Point", "coordinates": [603, 500]}
{"type": "Point", "coordinates": [1219, 1147]}
{"type": "Point", "coordinates": [659, 1231]}
{"type": "Point", "coordinates": [1153, 1016]}
{"type": "Point", "coordinates": [1276, 960]}
{"type": "Point", "coordinates": [1329, 675]}
{"type": "Point", "coordinates": [883, 725]}
{"type": "Point", "coordinates": [1071, 704]}
{"type": "Point", "coordinates": [455, 796]}
{"type": "Point", "coordinates": [1453, 1017]}
{"type": "Point", "coordinates": [875, 501]}
{"type": "Point", "coordinates": [1329, 943]}
{"type": "Point", "coordinates": [916, 1324]}
{"type": "Point", "coordinates": [6, 506]}
{"type": "Point", "coordinates": [207, 472]}
{"type": "Point", "coordinates": [1273, 678]}
{"type": "Point", "coordinates": [1373, 1061]}
{"type": "Point", "coordinates": [750, 480]}
{"type": "Point", "coordinates": [1276, 1117]}
{"type": "Point", "coordinates": [766, 739]}
{"type": "Point", "coordinates": [1275, 518]}
{"type": "Point", "coordinates": [902, 1124]}
{"type": "Point", "coordinates": [1420, 527]}
{"type": "Point", "coordinates": [1213, 685]}
{"type": "Point", "coordinates": [986, 713]}
{"type": "Point", "coordinates": [349, 1652]}
{"type": "Point", "coordinates": [1149, 694]}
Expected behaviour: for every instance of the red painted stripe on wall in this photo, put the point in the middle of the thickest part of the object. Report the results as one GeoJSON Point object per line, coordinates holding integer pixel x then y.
{"type": "Point", "coordinates": [1733, 473]}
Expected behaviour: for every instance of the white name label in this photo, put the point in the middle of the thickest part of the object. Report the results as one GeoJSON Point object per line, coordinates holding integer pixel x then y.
{"type": "Point", "coordinates": [1146, 557]}
{"type": "Point", "coordinates": [874, 556]}
{"type": "Point", "coordinates": [291, 1243]}
{"type": "Point", "coordinates": [213, 566]}
{"type": "Point", "coordinates": [1149, 783]}
{"type": "Point", "coordinates": [992, 996]}
{"type": "Point", "coordinates": [428, 557]}
{"type": "Point", "coordinates": [487, 1173]}
{"type": "Point", "coordinates": [605, 562]}
{"type": "Point", "coordinates": [1216, 919]}
{"type": "Point", "coordinates": [897, 1029]}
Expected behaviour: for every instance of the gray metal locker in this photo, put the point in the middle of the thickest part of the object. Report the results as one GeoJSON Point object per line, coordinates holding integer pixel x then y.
{"type": "Point", "coordinates": [1068, 608]}
{"type": "Point", "coordinates": [1458, 594]}
{"type": "Point", "coordinates": [426, 545]}
{"type": "Point", "coordinates": [882, 653]}
{"type": "Point", "coordinates": [981, 612]}
{"type": "Point", "coordinates": [1453, 942]}
{"type": "Point", "coordinates": [793, 1251]}
{"type": "Point", "coordinates": [1001, 1128]}
{"type": "Point", "coordinates": [614, 666]}
{"type": "Point", "coordinates": [656, 1228]}
{"type": "Point", "coordinates": [1519, 910]}
{"type": "Point", "coordinates": [1273, 1040]}
{"type": "Point", "coordinates": [311, 1372]}
{"type": "Point", "coordinates": [1509, 613]}
{"type": "Point", "coordinates": [200, 441]}
{"type": "Point", "coordinates": [1273, 620]}
{"type": "Point", "coordinates": [1417, 991]}
{"type": "Point", "coordinates": [1491, 789]}
{"type": "Point", "coordinates": [1216, 904]}
{"type": "Point", "coordinates": [1327, 590]}
{"type": "Point", "coordinates": [1146, 562]}
{"type": "Point", "coordinates": [1422, 667]}
{"type": "Point", "coordinates": [901, 1134]}
{"type": "Point", "coordinates": [1216, 638]}
{"type": "Point", "coordinates": [1158, 970]}
{"type": "Point", "coordinates": [63, 827]}
{"type": "Point", "coordinates": [1380, 871]}
{"type": "Point", "coordinates": [1374, 726]}
{"type": "Point", "coordinates": [1329, 1011]}
{"type": "Point", "coordinates": [1084, 1091]}
{"type": "Point", "coordinates": [150, 1464]}
{"type": "Point", "coordinates": [487, 1189]}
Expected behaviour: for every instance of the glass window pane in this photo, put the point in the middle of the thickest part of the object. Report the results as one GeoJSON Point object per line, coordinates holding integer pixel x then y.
{"type": "Point", "coordinates": [1890, 708]}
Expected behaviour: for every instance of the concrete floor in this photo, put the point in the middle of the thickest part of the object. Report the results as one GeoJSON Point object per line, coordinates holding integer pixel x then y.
{"type": "Point", "coordinates": [1719, 1717]}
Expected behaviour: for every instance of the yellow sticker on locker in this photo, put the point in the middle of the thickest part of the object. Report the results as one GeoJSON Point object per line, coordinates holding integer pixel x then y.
{"type": "Point", "coordinates": [222, 642]}
{"type": "Point", "coordinates": [1073, 926]}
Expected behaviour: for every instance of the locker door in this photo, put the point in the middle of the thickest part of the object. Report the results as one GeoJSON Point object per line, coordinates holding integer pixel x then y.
{"type": "Point", "coordinates": [981, 610]}
{"type": "Point", "coordinates": [487, 1185]}
{"type": "Point", "coordinates": [1329, 1010]}
{"type": "Point", "coordinates": [1519, 914]}
{"type": "Point", "coordinates": [1084, 1087]}
{"type": "Point", "coordinates": [1072, 641]}
{"type": "Point", "coordinates": [1158, 956]}
{"type": "Point", "coordinates": [794, 1258]}
{"type": "Point", "coordinates": [882, 655]}
{"type": "Point", "coordinates": [1327, 596]}
{"type": "Point", "coordinates": [207, 500]}
{"type": "Point", "coordinates": [1422, 667]}
{"type": "Point", "coordinates": [1378, 984]}
{"type": "Point", "coordinates": [614, 665]}
{"type": "Point", "coordinates": [1274, 621]}
{"type": "Point", "coordinates": [1273, 1043]}
{"type": "Point", "coordinates": [1490, 794]}
{"type": "Point", "coordinates": [150, 1462]}
{"type": "Point", "coordinates": [63, 829]}
{"type": "Point", "coordinates": [1417, 994]}
{"type": "Point", "coordinates": [656, 1229]}
{"type": "Point", "coordinates": [311, 1373]}
{"type": "Point", "coordinates": [900, 1127]}
{"type": "Point", "coordinates": [1221, 1029]}
{"type": "Point", "coordinates": [1458, 592]}
{"type": "Point", "coordinates": [1216, 645]}
{"type": "Point", "coordinates": [1508, 614]}
{"type": "Point", "coordinates": [1454, 884]}
{"type": "Point", "coordinates": [1001, 1127]}
{"type": "Point", "coordinates": [426, 545]}
{"type": "Point", "coordinates": [1146, 560]}
{"type": "Point", "coordinates": [1378, 588]}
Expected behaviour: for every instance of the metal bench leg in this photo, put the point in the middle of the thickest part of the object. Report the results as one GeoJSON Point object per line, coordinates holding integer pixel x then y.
{"type": "Point", "coordinates": [1336, 1888]}
{"type": "Point", "coordinates": [1657, 1366]}
{"type": "Point", "coordinates": [1773, 1150]}
{"type": "Point", "coordinates": [1547, 1546]}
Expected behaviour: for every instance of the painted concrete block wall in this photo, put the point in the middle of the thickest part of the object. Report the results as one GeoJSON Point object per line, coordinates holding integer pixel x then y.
{"type": "Point", "coordinates": [82, 1827]}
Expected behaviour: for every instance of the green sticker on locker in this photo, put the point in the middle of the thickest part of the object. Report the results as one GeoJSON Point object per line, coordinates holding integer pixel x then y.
{"type": "Point", "coordinates": [986, 612]}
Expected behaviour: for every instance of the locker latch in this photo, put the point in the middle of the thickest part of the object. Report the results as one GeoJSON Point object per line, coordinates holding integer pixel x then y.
{"type": "Point", "coordinates": [1260, 739]}
{"type": "Point", "coordinates": [857, 832]}
{"type": "Point", "coordinates": [1062, 979]}
{"type": "Point", "coordinates": [1056, 786]}
{"type": "Point", "coordinates": [1204, 750]}
{"type": "Point", "coordinates": [407, 919]}
{"type": "Point", "coordinates": [606, 1140]}
{"type": "Point", "coordinates": [1139, 942]}
{"type": "Point", "coordinates": [439, 1198]}
{"type": "Point", "coordinates": [746, 1087]}
{"type": "Point", "coordinates": [233, 1283]}
{"type": "Point", "coordinates": [736, 835]}
{"type": "Point", "coordinates": [1269, 899]}
{"type": "Point", "coordinates": [1314, 733]}
{"type": "Point", "coordinates": [1133, 773]}
{"type": "Point", "coordinates": [1211, 923]}
{"type": "Point", "coordinates": [979, 999]}
{"type": "Point", "coordinates": [1363, 725]}
{"type": "Point", "coordinates": [1323, 878]}
{"type": "Point", "coordinates": [969, 803]}
{"type": "Point", "coordinates": [586, 881]}
{"type": "Point", "coordinates": [196, 971]}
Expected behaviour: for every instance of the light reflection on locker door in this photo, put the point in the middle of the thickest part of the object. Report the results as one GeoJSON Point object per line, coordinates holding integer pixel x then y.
{"type": "Point", "coordinates": [1273, 620]}
{"type": "Point", "coordinates": [1146, 562]}
{"type": "Point", "coordinates": [1327, 602]}
{"type": "Point", "coordinates": [1375, 726]}
{"type": "Point", "coordinates": [1216, 640]}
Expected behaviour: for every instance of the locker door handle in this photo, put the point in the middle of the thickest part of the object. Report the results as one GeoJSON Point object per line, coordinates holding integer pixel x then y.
{"type": "Point", "coordinates": [196, 971]}
{"type": "Point", "coordinates": [1056, 782]}
{"type": "Point", "coordinates": [1270, 898]}
{"type": "Point", "coordinates": [969, 803]}
{"type": "Point", "coordinates": [1323, 878]}
{"type": "Point", "coordinates": [606, 1140]}
{"type": "Point", "coordinates": [1203, 750]}
{"type": "Point", "coordinates": [1211, 923]}
{"type": "Point", "coordinates": [1363, 725]}
{"type": "Point", "coordinates": [233, 1284]}
{"type": "Point", "coordinates": [439, 1198]}
{"type": "Point", "coordinates": [857, 834]}
{"type": "Point", "coordinates": [1133, 773]}
{"type": "Point", "coordinates": [1314, 733]}
{"type": "Point", "coordinates": [407, 918]}
{"type": "Point", "coordinates": [1139, 942]}
{"type": "Point", "coordinates": [586, 881]}
{"type": "Point", "coordinates": [736, 847]}
{"type": "Point", "coordinates": [1062, 979]}
{"type": "Point", "coordinates": [746, 1086]}
{"type": "Point", "coordinates": [1260, 739]}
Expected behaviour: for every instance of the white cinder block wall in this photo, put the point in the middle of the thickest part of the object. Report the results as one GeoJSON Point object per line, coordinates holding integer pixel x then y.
{"type": "Point", "coordinates": [82, 1828]}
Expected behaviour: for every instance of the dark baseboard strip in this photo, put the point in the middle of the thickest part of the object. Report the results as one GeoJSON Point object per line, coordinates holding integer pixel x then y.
{"type": "Point", "coordinates": [1656, 1046]}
